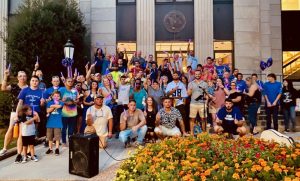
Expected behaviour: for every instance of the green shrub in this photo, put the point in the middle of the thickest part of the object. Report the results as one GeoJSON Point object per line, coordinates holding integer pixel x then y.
{"type": "Point", "coordinates": [5, 108]}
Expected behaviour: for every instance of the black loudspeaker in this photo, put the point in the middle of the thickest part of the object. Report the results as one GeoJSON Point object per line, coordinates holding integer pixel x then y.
{"type": "Point", "coordinates": [84, 155]}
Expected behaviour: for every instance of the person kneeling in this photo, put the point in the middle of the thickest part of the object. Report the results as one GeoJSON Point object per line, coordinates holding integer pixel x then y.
{"type": "Point", "coordinates": [166, 121]}
{"type": "Point", "coordinates": [132, 124]}
{"type": "Point", "coordinates": [97, 118]}
{"type": "Point", "coordinates": [230, 120]}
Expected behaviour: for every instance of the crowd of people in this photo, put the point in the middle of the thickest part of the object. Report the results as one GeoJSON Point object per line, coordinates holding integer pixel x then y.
{"type": "Point", "coordinates": [140, 101]}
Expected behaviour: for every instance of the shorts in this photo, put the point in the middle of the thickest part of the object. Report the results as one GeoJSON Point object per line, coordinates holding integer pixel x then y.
{"type": "Point", "coordinates": [53, 133]}
{"type": "Point", "coordinates": [13, 118]}
{"type": "Point", "coordinates": [213, 110]}
{"type": "Point", "coordinates": [232, 129]}
{"type": "Point", "coordinates": [28, 140]}
{"type": "Point", "coordinates": [168, 131]}
{"type": "Point", "coordinates": [198, 108]}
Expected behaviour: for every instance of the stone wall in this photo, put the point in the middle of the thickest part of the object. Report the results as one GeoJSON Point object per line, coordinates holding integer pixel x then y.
{"type": "Point", "coordinates": [3, 24]}
{"type": "Point", "coordinates": [102, 24]}
{"type": "Point", "coordinates": [257, 35]}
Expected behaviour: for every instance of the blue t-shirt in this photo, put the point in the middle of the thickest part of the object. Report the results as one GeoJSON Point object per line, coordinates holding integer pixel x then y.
{"type": "Point", "coordinates": [220, 70]}
{"type": "Point", "coordinates": [49, 91]}
{"type": "Point", "coordinates": [32, 98]}
{"type": "Point", "coordinates": [241, 85]}
{"type": "Point", "coordinates": [193, 62]}
{"type": "Point", "coordinates": [105, 65]}
{"type": "Point", "coordinates": [272, 90]}
{"type": "Point", "coordinates": [55, 118]}
{"type": "Point", "coordinates": [138, 97]}
{"type": "Point", "coordinates": [229, 117]}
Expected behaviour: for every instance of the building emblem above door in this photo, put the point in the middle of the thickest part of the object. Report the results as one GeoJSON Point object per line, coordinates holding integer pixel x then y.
{"type": "Point", "coordinates": [174, 21]}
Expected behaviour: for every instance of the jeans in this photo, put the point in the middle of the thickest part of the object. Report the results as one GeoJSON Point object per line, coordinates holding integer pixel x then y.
{"type": "Point", "coordinates": [70, 124]}
{"type": "Point", "coordinates": [274, 112]}
{"type": "Point", "coordinates": [252, 113]}
{"type": "Point", "coordinates": [289, 114]}
{"type": "Point", "coordinates": [141, 132]}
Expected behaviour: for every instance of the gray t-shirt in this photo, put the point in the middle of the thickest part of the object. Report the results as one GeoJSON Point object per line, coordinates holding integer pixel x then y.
{"type": "Point", "coordinates": [156, 94]}
{"type": "Point", "coordinates": [197, 91]}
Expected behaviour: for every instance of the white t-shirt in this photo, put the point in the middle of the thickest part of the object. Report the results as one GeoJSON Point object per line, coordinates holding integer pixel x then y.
{"type": "Point", "coordinates": [180, 92]}
{"type": "Point", "coordinates": [28, 129]}
{"type": "Point", "coordinates": [123, 94]}
{"type": "Point", "coordinates": [100, 119]}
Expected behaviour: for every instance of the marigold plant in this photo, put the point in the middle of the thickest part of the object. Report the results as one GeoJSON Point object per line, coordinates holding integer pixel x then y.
{"type": "Point", "coordinates": [212, 157]}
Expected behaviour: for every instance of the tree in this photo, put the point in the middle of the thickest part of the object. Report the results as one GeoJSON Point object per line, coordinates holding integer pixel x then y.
{"type": "Point", "coordinates": [41, 28]}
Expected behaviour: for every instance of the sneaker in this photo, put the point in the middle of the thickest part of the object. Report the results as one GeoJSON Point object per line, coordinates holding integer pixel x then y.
{"type": "Point", "coordinates": [3, 152]}
{"type": "Point", "coordinates": [34, 158]}
{"type": "Point", "coordinates": [56, 151]}
{"type": "Point", "coordinates": [24, 159]}
{"type": "Point", "coordinates": [137, 144]}
{"type": "Point", "coordinates": [286, 131]}
{"type": "Point", "coordinates": [18, 159]}
{"type": "Point", "coordinates": [49, 151]}
{"type": "Point", "coordinates": [46, 144]}
{"type": "Point", "coordinates": [127, 143]}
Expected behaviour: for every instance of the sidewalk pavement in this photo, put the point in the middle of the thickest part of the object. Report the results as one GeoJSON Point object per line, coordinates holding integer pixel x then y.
{"type": "Point", "coordinates": [51, 167]}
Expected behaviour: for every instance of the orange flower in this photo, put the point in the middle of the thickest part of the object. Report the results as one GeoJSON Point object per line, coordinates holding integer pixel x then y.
{"type": "Point", "coordinates": [207, 172]}
{"type": "Point", "coordinates": [298, 174]}
{"type": "Point", "coordinates": [236, 176]}
{"type": "Point", "coordinates": [236, 165]}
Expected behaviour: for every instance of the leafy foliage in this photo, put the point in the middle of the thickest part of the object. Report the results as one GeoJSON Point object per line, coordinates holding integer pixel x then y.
{"type": "Point", "coordinates": [41, 28]}
{"type": "Point", "coordinates": [212, 157]}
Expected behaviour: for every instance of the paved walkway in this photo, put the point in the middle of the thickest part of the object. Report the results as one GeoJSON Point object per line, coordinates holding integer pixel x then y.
{"type": "Point", "coordinates": [51, 167]}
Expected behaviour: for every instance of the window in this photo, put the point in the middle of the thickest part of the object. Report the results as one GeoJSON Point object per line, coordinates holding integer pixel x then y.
{"type": "Point", "coordinates": [171, 1]}
{"type": "Point", "coordinates": [290, 5]}
{"type": "Point", "coordinates": [162, 48]}
{"type": "Point", "coordinates": [126, 1]}
{"type": "Point", "coordinates": [14, 5]}
{"type": "Point", "coordinates": [129, 46]}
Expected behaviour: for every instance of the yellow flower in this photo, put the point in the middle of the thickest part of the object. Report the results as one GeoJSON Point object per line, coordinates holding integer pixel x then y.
{"type": "Point", "coordinates": [216, 166]}
{"type": "Point", "coordinates": [236, 176]}
{"type": "Point", "coordinates": [267, 168]}
{"type": "Point", "coordinates": [287, 179]}
{"type": "Point", "coordinates": [236, 165]}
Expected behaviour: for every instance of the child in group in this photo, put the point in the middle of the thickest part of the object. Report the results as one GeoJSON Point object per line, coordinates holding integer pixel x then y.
{"type": "Point", "coordinates": [27, 117]}
{"type": "Point", "coordinates": [54, 122]}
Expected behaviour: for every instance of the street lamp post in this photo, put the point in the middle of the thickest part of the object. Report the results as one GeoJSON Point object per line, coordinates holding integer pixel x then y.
{"type": "Point", "coordinates": [68, 61]}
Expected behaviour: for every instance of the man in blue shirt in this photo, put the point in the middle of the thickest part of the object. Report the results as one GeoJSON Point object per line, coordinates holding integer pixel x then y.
{"type": "Point", "coordinates": [192, 60]}
{"type": "Point", "coordinates": [240, 83]}
{"type": "Point", "coordinates": [55, 86]}
{"type": "Point", "coordinates": [272, 93]}
{"type": "Point", "coordinates": [230, 120]}
{"type": "Point", "coordinates": [220, 68]}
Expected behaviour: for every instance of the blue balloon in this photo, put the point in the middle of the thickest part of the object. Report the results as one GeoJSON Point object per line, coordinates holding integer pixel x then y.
{"type": "Point", "coordinates": [269, 62]}
{"type": "Point", "coordinates": [263, 65]}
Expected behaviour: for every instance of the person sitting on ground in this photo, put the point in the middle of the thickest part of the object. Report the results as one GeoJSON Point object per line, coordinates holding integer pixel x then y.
{"type": "Point", "coordinates": [230, 120]}
{"type": "Point", "coordinates": [132, 124]}
{"type": "Point", "coordinates": [98, 118]}
{"type": "Point", "coordinates": [166, 120]}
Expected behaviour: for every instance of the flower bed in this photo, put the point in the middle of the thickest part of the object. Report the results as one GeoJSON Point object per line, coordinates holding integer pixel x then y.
{"type": "Point", "coordinates": [212, 157]}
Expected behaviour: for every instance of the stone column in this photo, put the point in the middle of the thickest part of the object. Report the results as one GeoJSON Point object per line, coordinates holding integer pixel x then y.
{"type": "Point", "coordinates": [3, 26]}
{"type": "Point", "coordinates": [247, 35]}
{"type": "Point", "coordinates": [103, 24]}
{"type": "Point", "coordinates": [276, 38]}
{"type": "Point", "coordinates": [145, 26]}
{"type": "Point", "coordinates": [204, 35]}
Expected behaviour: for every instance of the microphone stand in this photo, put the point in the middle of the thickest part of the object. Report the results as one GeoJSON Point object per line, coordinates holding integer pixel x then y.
{"type": "Point", "coordinates": [204, 122]}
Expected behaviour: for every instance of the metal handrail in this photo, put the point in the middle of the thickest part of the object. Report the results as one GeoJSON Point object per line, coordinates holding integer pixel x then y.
{"type": "Point", "coordinates": [291, 59]}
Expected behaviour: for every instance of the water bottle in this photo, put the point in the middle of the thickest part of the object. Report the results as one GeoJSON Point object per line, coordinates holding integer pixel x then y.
{"type": "Point", "coordinates": [16, 130]}
{"type": "Point", "coordinates": [144, 101]}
